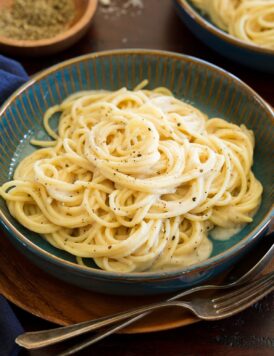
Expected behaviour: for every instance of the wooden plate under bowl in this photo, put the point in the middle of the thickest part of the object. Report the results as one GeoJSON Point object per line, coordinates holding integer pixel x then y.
{"type": "Point", "coordinates": [42, 295]}
{"type": "Point", "coordinates": [85, 10]}
{"type": "Point", "coordinates": [37, 292]}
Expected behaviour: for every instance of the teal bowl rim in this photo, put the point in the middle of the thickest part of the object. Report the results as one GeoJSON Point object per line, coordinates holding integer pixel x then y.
{"type": "Point", "coordinates": [208, 26]}
{"type": "Point", "coordinates": [140, 276]}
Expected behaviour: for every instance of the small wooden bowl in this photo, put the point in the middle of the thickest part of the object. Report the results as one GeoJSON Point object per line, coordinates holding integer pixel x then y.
{"type": "Point", "coordinates": [85, 10]}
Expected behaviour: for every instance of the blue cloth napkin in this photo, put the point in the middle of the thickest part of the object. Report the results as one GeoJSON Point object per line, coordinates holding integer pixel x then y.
{"type": "Point", "coordinates": [12, 76]}
{"type": "Point", "coordinates": [10, 328]}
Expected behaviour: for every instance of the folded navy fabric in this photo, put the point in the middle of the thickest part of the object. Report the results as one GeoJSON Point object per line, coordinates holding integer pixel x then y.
{"type": "Point", "coordinates": [10, 328]}
{"type": "Point", "coordinates": [12, 75]}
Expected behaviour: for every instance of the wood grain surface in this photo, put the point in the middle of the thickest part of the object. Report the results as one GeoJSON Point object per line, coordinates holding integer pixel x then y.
{"type": "Point", "coordinates": [30, 288]}
{"type": "Point", "coordinates": [248, 333]}
{"type": "Point", "coordinates": [156, 25]}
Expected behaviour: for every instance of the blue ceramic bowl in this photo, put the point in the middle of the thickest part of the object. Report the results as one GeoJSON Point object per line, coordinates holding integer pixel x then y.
{"type": "Point", "coordinates": [247, 54]}
{"type": "Point", "coordinates": [208, 87]}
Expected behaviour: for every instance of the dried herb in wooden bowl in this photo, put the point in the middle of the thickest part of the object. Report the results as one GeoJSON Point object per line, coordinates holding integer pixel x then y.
{"type": "Point", "coordinates": [36, 19]}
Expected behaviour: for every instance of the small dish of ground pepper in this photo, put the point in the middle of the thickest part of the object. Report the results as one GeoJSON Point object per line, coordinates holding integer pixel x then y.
{"type": "Point", "coordinates": [41, 27]}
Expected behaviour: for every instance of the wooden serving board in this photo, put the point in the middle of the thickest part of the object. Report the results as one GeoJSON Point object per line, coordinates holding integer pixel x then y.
{"type": "Point", "coordinates": [35, 291]}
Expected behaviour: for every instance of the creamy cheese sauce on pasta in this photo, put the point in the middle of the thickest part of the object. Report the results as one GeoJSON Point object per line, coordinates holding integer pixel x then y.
{"type": "Point", "coordinates": [135, 180]}
{"type": "Point", "coordinates": [249, 20]}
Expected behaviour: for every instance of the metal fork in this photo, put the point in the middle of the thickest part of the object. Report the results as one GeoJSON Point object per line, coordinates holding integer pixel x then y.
{"type": "Point", "coordinates": [222, 304]}
{"type": "Point", "coordinates": [245, 271]}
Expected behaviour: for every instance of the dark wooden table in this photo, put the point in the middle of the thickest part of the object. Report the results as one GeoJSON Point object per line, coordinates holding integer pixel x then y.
{"type": "Point", "coordinates": [157, 26]}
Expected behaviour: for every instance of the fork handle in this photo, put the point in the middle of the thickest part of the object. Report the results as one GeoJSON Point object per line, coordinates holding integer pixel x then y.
{"type": "Point", "coordinates": [109, 331]}
{"type": "Point", "coordinates": [38, 339]}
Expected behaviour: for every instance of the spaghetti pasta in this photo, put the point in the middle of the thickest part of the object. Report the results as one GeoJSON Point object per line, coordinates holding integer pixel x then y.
{"type": "Point", "coordinates": [136, 180]}
{"type": "Point", "coordinates": [249, 20]}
